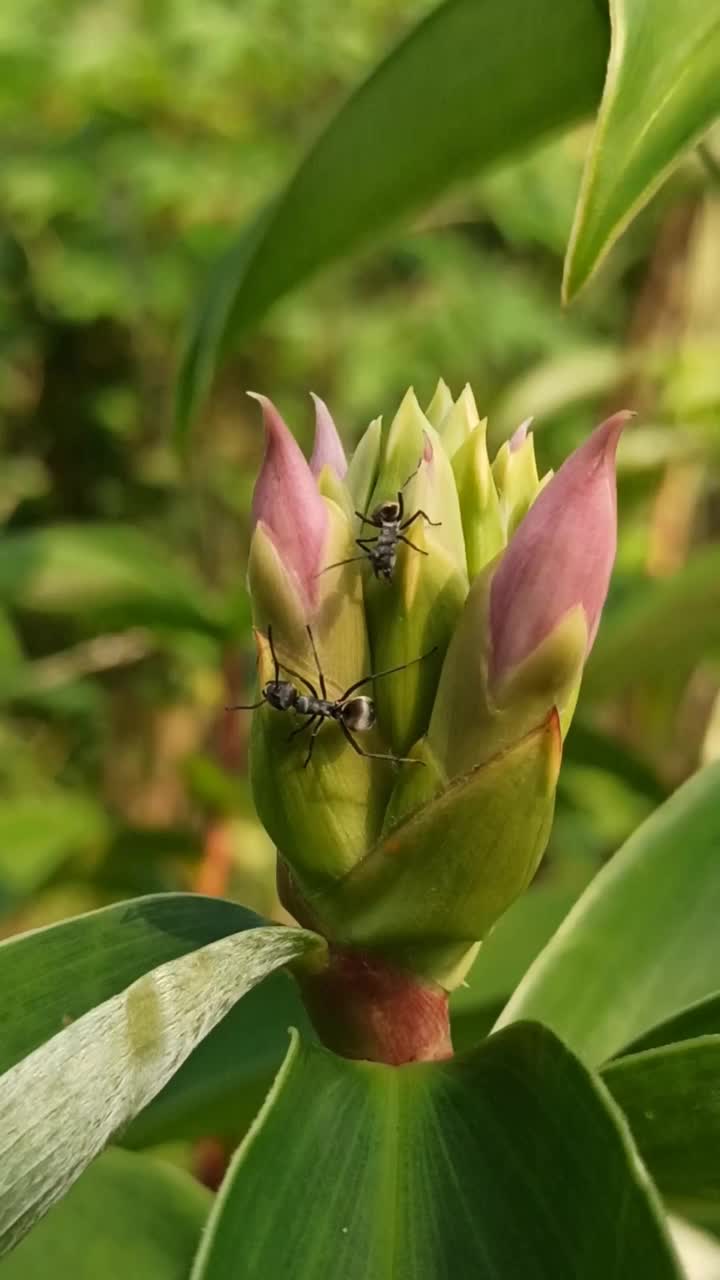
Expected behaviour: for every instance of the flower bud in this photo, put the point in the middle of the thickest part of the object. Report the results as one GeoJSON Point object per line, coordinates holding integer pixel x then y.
{"type": "Point", "coordinates": [323, 817]}
{"type": "Point", "coordinates": [531, 615]}
{"type": "Point", "coordinates": [411, 864]}
{"type": "Point", "coordinates": [440, 405]}
{"type": "Point", "coordinates": [288, 508]}
{"type": "Point", "coordinates": [516, 477]}
{"type": "Point", "coordinates": [364, 466]}
{"type": "Point", "coordinates": [483, 521]}
{"type": "Point", "coordinates": [561, 556]}
{"type": "Point", "coordinates": [460, 420]}
{"type": "Point", "coordinates": [417, 610]}
{"type": "Point", "coordinates": [327, 448]}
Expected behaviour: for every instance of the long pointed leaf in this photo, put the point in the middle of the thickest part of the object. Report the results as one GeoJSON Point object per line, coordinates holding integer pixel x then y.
{"type": "Point", "coordinates": [643, 940]}
{"type": "Point", "coordinates": [662, 93]}
{"type": "Point", "coordinates": [472, 83]}
{"type": "Point", "coordinates": [61, 1105]}
{"type": "Point", "coordinates": [671, 1099]}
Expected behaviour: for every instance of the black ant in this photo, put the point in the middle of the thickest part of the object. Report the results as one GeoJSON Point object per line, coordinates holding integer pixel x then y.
{"type": "Point", "coordinates": [356, 714]}
{"type": "Point", "coordinates": [388, 518]}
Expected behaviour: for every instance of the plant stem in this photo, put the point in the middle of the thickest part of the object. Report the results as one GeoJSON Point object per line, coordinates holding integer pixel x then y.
{"type": "Point", "coordinates": [362, 1007]}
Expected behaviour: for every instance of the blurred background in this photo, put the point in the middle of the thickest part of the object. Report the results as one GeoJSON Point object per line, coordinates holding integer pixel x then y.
{"type": "Point", "coordinates": [136, 139]}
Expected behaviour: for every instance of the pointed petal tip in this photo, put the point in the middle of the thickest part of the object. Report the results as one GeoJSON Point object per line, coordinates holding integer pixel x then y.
{"type": "Point", "coordinates": [519, 435]}
{"type": "Point", "coordinates": [287, 503]}
{"type": "Point", "coordinates": [327, 447]}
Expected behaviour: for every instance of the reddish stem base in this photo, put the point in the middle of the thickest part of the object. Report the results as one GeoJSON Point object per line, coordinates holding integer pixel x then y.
{"type": "Point", "coordinates": [363, 1008]}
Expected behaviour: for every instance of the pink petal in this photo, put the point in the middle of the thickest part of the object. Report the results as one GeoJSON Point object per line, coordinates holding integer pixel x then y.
{"type": "Point", "coordinates": [562, 554]}
{"type": "Point", "coordinates": [327, 448]}
{"type": "Point", "coordinates": [287, 503]}
{"type": "Point", "coordinates": [519, 436]}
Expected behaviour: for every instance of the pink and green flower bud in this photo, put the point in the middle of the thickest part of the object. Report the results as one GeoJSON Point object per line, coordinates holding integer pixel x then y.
{"type": "Point", "coordinates": [532, 615]}
{"type": "Point", "coordinates": [401, 866]}
{"type": "Point", "coordinates": [483, 521]}
{"type": "Point", "coordinates": [322, 818]}
{"type": "Point", "coordinates": [288, 509]}
{"type": "Point", "coordinates": [417, 610]}
{"type": "Point", "coordinates": [516, 477]}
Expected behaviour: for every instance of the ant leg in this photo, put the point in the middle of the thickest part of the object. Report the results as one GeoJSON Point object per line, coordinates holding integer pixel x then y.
{"type": "Point", "coordinates": [305, 725]}
{"type": "Point", "coordinates": [366, 519]}
{"type": "Point", "coordinates": [317, 662]}
{"type": "Point", "coordinates": [375, 755]}
{"type": "Point", "coordinates": [436, 524]}
{"type": "Point", "coordinates": [376, 675]}
{"type": "Point", "coordinates": [311, 743]}
{"type": "Point", "coordinates": [400, 498]}
{"type": "Point", "coordinates": [408, 543]}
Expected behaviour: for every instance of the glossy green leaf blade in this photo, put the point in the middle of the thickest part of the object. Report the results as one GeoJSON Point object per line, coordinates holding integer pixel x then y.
{"type": "Point", "coordinates": [51, 976]}
{"type": "Point", "coordinates": [438, 1170]}
{"type": "Point", "coordinates": [671, 1099]}
{"type": "Point", "coordinates": [662, 92]}
{"type": "Point", "coordinates": [128, 1215]}
{"type": "Point", "coordinates": [661, 630]}
{"type": "Point", "coordinates": [699, 1019]}
{"type": "Point", "coordinates": [469, 85]}
{"type": "Point", "coordinates": [63, 1103]}
{"type": "Point", "coordinates": [643, 940]}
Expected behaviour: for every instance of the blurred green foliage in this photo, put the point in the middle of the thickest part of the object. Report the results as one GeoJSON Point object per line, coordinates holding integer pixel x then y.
{"type": "Point", "coordinates": [135, 139]}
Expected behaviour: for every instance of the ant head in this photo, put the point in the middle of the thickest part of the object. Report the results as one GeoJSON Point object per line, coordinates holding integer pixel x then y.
{"type": "Point", "coordinates": [280, 694]}
{"type": "Point", "coordinates": [359, 714]}
{"type": "Point", "coordinates": [387, 511]}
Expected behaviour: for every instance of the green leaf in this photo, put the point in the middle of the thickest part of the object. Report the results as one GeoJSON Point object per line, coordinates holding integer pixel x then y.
{"type": "Point", "coordinates": [472, 83]}
{"type": "Point", "coordinates": [110, 571]}
{"type": "Point", "coordinates": [222, 1085]}
{"type": "Point", "coordinates": [52, 976]}
{"type": "Point", "coordinates": [128, 1215]}
{"type": "Point", "coordinates": [458, 1168]}
{"type": "Point", "coordinates": [61, 1105]}
{"type": "Point", "coordinates": [671, 1099]}
{"type": "Point", "coordinates": [662, 92]}
{"type": "Point", "coordinates": [658, 631]}
{"type": "Point", "coordinates": [699, 1019]}
{"type": "Point", "coordinates": [642, 942]}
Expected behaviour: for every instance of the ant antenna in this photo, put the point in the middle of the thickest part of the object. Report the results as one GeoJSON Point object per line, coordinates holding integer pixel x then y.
{"type": "Point", "coordinates": [338, 563]}
{"type": "Point", "coordinates": [421, 459]}
{"type": "Point", "coordinates": [318, 668]}
{"type": "Point", "coordinates": [377, 675]}
{"type": "Point", "coordinates": [274, 655]}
